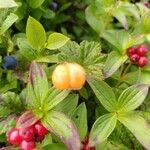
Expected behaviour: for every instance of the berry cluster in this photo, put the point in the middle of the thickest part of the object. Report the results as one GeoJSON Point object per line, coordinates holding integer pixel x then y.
{"type": "Point", "coordinates": [85, 143]}
{"type": "Point", "coordinates": [138, 55]}
{"type": "Point", "coordinates": [26, 137]}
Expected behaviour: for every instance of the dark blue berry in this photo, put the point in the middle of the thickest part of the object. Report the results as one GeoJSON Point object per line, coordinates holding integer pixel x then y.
{"type": "Point", "coordinates": [9, 62]}
{"type": "Point", "coordinates": [54, 6]}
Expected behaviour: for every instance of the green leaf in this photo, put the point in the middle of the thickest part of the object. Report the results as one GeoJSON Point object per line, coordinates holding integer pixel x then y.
{"type": "Point", "coordinates": [56, 40]}
{"type": "Point", "coordinates": [48, 59]}
{"type": "Point", "coordinates": [96, 23]}
{"type": "Point", "coordinates": [138, 126]}
{"type": "Point", "coordinates": [35, 34]}
{"type": "Point", "coordinates": [55, 147]}
{"type": "Point", "coordinates": [55, 97]}
{"type": "Point", "coordinates": [68, 105]}
{"type": "Point", "coordinates": [102, 128]}
{"type": "Point", "coordinates": [35, 4]}
{"type": "Point", "coordinates": [10, 103]}
{"type": "Point", "coordinates": [7, 4]}
{"type": "Point", "coordinates": [8, 22]}
{"type": "Point", "coordinates": [25, 49]}
{"type": "Point", "coordinates": [63, 127]}
{"type": "Point", "coordinates": [47, 140]}
{"type": "Point", "coordinates": [7, 124]}
{"type": "Point", "coordinates": [80, 119]}
{"type": "Point", "coordinates": [26, 120]}
{"type": "Point", "coordinates": [113, 62]}
{"type": "Point", "coordinates": [120, 39]}
{"type": "Point", "coordinates": [119, 15]}
{"type": "Point", "coordinates": [132, 97]}
{"type": "Point", "coordinates": [144, 77]}
{"type": "Point", "coordinates": [38, 81]}
{"type": "Point", "coordinates": [104, 93]}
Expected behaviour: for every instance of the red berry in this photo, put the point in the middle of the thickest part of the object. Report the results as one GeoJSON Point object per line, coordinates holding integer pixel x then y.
{"type": "Point", "coordinates": [13, 137]}
{"type": "Point", "coordinates": [92, 148]}
{"type": "Point", "coordinates": [141, 50]}
{"type": "Point", "coordinates": [130, 51]}
{"type": "Point", "coordinates": [86, 147]}
{"type": "Point", "coordinates": [142, 61]}
{"type": "Point", "coordinates": [39, 138]}
{"type": "Point", "coordinates": [85, 141]}
{"type": "Point", "coordinates": [27, 145]}
{"type": "Point", "coordinates": [27, 133]}
{"type": "Point", "coordinates": [134, 57]}
{"type": "Point", "coordinates": [40, 130]}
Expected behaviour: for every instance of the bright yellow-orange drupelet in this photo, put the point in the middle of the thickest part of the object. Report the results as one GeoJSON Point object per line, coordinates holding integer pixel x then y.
{"type": "Point", "coordinates": [69, 76]}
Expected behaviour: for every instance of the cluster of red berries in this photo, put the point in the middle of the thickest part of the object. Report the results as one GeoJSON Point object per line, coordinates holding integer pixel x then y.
{"type": "Point", "coordinates": [85, 143]}
{"type": "Point", "coordinates": [26, 137]}
{"type": "Point", "coordinates": [138, 55]}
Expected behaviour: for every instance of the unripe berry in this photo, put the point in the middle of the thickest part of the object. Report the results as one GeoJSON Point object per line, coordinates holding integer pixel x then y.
{"type": "Point", "coordinates": [14, 137]}
{"type": "Point", "coordinates": [27, 145]}
{"type": "Point", "coordinates": [27, 134]}
{"type": "Point", "coordinates": [141, 50]}
{"type": "Point", "coordinates": [134, 57]}
{"type": "Point", "coordinates": [142, 61]}
{"type": "Point", "coordinates": [40, 130]}
{"type": "Point", "coordinates": [69, 76]}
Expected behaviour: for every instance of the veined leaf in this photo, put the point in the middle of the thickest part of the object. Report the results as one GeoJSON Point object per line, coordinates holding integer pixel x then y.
{"type": "Point", "coordinates": [68, 105]}
{"type": "Point", "coordinates": [54, 147]}
{"type": "Point", "coordinates": [35, 34]}
{"type": "Point", "coordinates": [38, 81]}
{"type": "Point", "coordinates": [102, 128]}
{"type": "Point", "coordinates": [25, 49]}
{"type": "Point", "coordinates": [120, 39]}
{"type": "Point", "coordinates": [113, 62]}
{"type": "Point", "coordinates": [96, 23]}
{"type": "Point", "coordinates": [26, 119]}
{"type": "Point", "coordinates": [104, 93]}
{"type": "Point", "coordinates": [63, 127]}
{"type": "Point", "coordinates": [7, 3]}
{"type": "Point", "coordinates": [80, 119]}
{"type": "Point", "coordinates": [56, 40]}
{"type": "Point", "coordinates": [119, 15]}
{"type": "Point", "coordinates": [55, 97]}
{"type": "Point", "coordinates": [48, 59]}
{"type": "Point", "coordinates": [8, 22]}
{"type": "Point", "coordinates": [132, 97]}
{"type": "Point", "coordinates": [138, 126]}
{"type": "Point", "coordinates": [7, 124]}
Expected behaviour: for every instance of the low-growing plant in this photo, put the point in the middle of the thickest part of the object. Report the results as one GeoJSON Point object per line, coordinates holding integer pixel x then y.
{"type": "Point", "coordinates": [86, 88]}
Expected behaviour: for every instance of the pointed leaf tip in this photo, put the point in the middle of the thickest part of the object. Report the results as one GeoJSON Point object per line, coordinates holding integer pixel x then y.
{"type": "Point", "coordinates": [27, 119]}
{"type": "Point", "coordinates": [61, 125]}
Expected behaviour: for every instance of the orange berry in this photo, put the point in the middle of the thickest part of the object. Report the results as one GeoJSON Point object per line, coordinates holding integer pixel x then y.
{"type": "Point", "coordinates": [69, 76]}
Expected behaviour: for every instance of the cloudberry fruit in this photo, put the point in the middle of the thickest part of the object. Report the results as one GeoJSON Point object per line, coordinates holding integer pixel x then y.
{"type": "Point", "coordinates": [69, 76]}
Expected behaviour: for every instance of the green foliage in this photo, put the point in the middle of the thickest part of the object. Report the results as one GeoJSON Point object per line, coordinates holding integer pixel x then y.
{"type": "Point", "coordinates": [58, 124]}
{"type": "Point", "coordinates": [10, 20]}
{"type": "Point", "coordinates": [138, 126]}
{"type": "Point", "coordinates": [56, 40]}
{"type": "Point", "coordinates": [80, 119]}
{"type": "Point", "coordinates": [8, 4]}
{"type": "Point", "coordinates": [35, 34]}
{"type": "Point", "coordinates": [104, 94]}
{"type": "Point", "coordinates": [41, 34]}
